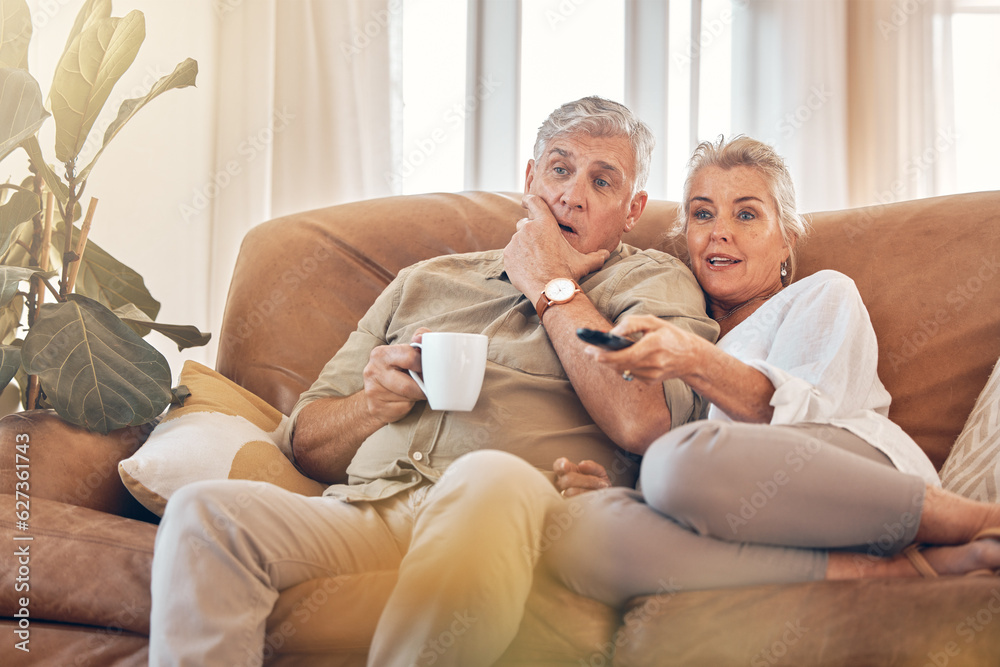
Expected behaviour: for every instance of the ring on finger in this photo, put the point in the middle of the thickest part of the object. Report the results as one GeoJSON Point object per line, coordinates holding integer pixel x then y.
{"type": "Point", "coordinates": [627, 376]}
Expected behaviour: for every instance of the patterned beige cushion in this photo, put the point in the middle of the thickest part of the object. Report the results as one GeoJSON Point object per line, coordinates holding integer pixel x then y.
{"type": "Point", "coordinates": [973, 467]}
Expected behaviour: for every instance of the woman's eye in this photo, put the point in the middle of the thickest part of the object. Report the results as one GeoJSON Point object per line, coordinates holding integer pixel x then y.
{"type": "Point", "coordinates": [747, 215]}
{"type": "Point", "coordinates": [702, 215]}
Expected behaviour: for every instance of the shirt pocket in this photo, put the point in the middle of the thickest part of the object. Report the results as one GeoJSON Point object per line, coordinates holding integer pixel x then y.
{"type": "Point", "coordinates": [519, 341]}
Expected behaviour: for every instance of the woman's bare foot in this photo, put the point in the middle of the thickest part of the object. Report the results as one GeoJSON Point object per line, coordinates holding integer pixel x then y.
{"type": "Point", "coordinates": [948, 518]}
{"type": "Point", "coordinates": [976, 556]}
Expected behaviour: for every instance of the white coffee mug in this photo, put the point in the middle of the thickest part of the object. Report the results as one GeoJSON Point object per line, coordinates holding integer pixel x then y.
{"type": "Point", "coordinates": [453, 369]}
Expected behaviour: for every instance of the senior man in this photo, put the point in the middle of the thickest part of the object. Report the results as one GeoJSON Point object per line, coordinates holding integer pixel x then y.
{"type": "Point", "coordinates": [464, 534]}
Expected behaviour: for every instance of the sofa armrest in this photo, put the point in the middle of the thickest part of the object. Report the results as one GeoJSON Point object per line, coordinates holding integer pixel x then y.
{"type": "Point", "coordinates": [69, 464]}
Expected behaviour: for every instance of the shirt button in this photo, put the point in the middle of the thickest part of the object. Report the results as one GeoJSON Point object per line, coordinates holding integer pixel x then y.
{"type": "Point", "coordinates": [418, 456]}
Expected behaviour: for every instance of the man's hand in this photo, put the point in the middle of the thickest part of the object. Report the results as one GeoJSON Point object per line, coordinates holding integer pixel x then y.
{"type": "Point", "coordinates": [538, 251]}
{"type": "Point", "coordinates": [389, 390]}
{"type": "Point", "coordinates": [573, 479]}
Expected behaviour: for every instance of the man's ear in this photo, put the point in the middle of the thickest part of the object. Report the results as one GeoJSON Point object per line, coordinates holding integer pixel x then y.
{"type": "Point", "coordinates": [636, 207]}
{"type": "Point", "coordinates": [529, 176]}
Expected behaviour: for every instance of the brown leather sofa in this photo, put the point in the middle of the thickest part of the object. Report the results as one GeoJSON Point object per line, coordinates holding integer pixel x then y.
{"type": "Point", "coordinates": [928, 271]}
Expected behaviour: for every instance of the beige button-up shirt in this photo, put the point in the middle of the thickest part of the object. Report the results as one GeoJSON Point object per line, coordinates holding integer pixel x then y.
{"type": "Point", "coordinates": [527, 406]}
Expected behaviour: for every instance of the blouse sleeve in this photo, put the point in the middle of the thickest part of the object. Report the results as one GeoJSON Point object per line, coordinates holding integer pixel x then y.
{"type": "Point", "coordinates": [823, 360]}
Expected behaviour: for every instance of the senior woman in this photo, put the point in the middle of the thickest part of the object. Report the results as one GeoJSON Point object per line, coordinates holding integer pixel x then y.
{"type": "Point", "coordinates": [797, 473]}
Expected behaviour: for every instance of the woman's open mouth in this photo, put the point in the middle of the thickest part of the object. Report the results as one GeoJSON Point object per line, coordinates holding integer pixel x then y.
{"type": "Point", "coordinates": [721, 261]}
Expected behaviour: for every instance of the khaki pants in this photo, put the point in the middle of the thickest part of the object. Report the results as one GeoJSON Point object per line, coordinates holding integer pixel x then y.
{"type": "Point", "coordinates": [465, 548]}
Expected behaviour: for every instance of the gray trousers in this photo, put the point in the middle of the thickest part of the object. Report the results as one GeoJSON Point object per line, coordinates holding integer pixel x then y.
{"type": "Point", "coordinates": [725, 504]}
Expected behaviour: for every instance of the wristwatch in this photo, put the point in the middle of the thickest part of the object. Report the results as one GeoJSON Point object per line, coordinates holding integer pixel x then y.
{"type": "Point", "coordinates": [558, 290]}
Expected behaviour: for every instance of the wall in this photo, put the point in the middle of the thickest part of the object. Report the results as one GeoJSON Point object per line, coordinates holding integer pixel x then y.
{"type": "Point", "coordinates": [156, 163]}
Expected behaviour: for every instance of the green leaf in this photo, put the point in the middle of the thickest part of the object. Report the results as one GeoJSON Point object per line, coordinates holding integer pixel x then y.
{"type": "Point", "coordinates": [10, 320]}
{"type": "Point", "coordinates": [94, 370]}
{"type": "Point", "coordinates": [15, 33]}
{"type": "Point", "coordinates": [22, 207]}
{"type": "Point", "coordinates": [184, 335]}
{"type": "Point", "coordinates": [22, 109]}
{"type": "Point", "coordinates": [10, 361]}
{"type": "Point", "coordinates": [104, 278]}
{"type": "Point", "coordinates": [180, 394]}
{"type": "Point", "coordinates": [10, 280]}
{"type": "Point", "coordinates": [54, 183]}
{"type": "Point", "coordinates": [87, 72]}
{"type": "Point", "coordinates": [91, 11]}
{"type": "Point", "coordinates": [184, 75]}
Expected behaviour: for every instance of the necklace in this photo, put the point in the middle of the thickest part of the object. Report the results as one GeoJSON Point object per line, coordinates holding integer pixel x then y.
{"type": "Point", "coordinates": [747, 303]}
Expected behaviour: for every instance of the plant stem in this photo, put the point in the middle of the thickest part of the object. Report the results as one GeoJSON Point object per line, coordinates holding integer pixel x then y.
{"type": "Point", "coordinates": [81, 245]}
{"type": "Point", "coordinates": [68, 224]}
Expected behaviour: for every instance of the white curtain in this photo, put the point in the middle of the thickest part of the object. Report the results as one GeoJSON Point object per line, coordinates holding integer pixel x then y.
{"type": "Point", "coordinates": [902, 140]}
{"type": "Point", "coordinates": [307, 99]}
{"type": "Point", "coordinates": [795, 96]}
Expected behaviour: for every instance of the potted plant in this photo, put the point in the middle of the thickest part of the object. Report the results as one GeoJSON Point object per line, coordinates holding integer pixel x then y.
{"type": "Point", "coordinates": [83, 352]}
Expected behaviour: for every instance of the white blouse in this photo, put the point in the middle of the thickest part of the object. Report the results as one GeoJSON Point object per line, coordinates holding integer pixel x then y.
{"type": "Point", "coordinates": [815, 342]}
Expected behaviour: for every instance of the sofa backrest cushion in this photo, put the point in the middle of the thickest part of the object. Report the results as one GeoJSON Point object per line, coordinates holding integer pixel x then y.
{"type": "Point", "coordinates": [928, 270]}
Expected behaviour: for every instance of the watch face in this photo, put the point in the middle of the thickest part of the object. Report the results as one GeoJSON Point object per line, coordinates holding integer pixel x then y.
{"type": "Point", "coordinates": [560, 289]}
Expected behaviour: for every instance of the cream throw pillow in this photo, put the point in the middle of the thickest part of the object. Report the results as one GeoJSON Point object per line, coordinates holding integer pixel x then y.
{"type": "Point", "coordinates": [973, 467]}
{"type": "Point", "coordinates": [221, 432]}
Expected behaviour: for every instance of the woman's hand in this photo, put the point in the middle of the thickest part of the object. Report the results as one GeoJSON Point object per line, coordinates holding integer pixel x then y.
{"type": "Point", "coordinates": [572, 479]}
{"type": "Point", "coordinates": [662, 353]}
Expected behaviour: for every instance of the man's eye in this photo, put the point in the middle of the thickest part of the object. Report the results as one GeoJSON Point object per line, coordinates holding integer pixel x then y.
{"type": "Point", "coordinates": [561, 171]}
{"type": "Point", "coordinates": [602, 183]}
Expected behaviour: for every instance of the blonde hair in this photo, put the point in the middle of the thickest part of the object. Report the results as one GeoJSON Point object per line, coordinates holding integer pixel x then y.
{"type": "Point", "coordinates": [742, 151]}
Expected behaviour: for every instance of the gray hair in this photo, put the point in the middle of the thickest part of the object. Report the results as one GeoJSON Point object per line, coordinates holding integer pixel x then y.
{"type": "Point", "coordinates": [600, 117]}
{"type": "Point", "coordinates": [742, 151]}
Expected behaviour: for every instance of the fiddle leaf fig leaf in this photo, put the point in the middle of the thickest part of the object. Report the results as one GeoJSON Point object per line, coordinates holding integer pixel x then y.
{"type": "Point", "coordinates": [10, 361]}
{"type": "Point", "coordinates": [184, 335]}
{"type": "Point", "coordinates": [94, 370]}
{"type": "Point", "coordinates": [10, 280]}
{"type": "Point", "coordinates": [184, 75]}
{"type": "Point", "coordinates": [15, 33]}
{"type": "Point", "coordinates": [91, 11]}
{"type": "Point", "coordinates": [10, 320]}
{"type": "Point", "coordinates": [22, 109]}
{"type": "Point", "coordinates": [53, 182]}
{"type": "Point", "coordinates": [104, 278]}
{"type": "Point", "coordinates": [88, 70]}
{"type": "Point", "coordinates": [22, 207]}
